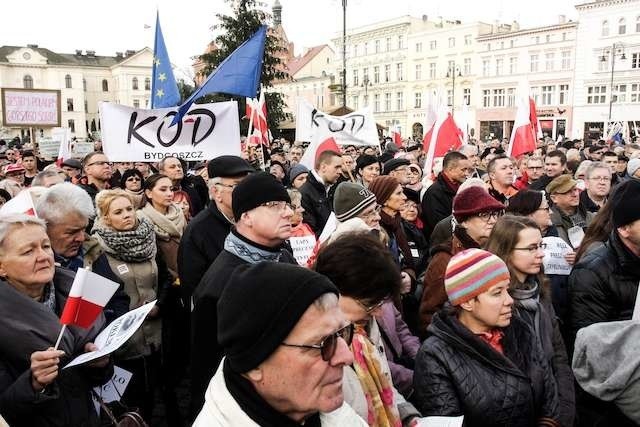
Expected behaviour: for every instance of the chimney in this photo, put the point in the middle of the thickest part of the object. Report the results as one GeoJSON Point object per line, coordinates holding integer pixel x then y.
{"type": "Point", "coordinates": [32, 46]}
{"type": "Point", "coordinates": [425, 18]}
{"type": "Point", "coordinates": [91, 53]}
{"type": "Point", "coordinates": [515, 26]}
{"type": "Point", "coordinates": [562, 19]}
{"type": "Point", "coordinates": [129, 52]}
{"type": "Point", "coordinates": [119, 55]}
{"type": "Point", "coordinates": [78, 52]}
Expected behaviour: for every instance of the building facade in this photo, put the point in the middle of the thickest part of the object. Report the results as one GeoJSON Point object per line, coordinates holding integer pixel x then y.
{"type": "Point", "coordinates": [83, 79]}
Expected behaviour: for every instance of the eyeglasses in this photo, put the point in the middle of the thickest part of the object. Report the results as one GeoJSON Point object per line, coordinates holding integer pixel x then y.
{"type": "Point", "coordinates": [329, 344]}
{"type": "Point", "coordinates": [492, 214]}
{"type": "Point", "coordinates": [532, 248]}
{"type": "Point", "coordinates": [546, 208]}
{"type": "Point", "coordinates": [280, 205]}
{"type": "Point", "coordinates": [98, 163]}
{"type": "Point", "coordinates": [371, 308]}
{"type": "Point", "coordinates": [600, 178]}
{"type": "Point", "coordinates": [133, 178]}
{"type": "Point", "coordinates": [231, 186]}
{"type": "Point", "coordinates": [375, 211]}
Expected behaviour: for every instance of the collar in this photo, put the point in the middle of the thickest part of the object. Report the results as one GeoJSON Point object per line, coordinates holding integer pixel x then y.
{"type": "Point", "coordinates": [216, 210]}
{"type": "Point", "coordinates": [249, 251]}
{"type": "Point", "coordinates": [319, 178]}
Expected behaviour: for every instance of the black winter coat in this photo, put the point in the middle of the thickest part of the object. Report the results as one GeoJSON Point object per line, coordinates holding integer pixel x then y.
{"type": "Point", "coordinates": [457, 373]}
{"type": "Point", "coordinates": [437, 203]}
{"type": "Point", "coordinates": [317, 204]}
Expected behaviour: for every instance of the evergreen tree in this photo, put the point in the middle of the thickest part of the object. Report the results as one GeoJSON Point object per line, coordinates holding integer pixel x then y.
{"type": "Point", "coordinates": [237, 28]}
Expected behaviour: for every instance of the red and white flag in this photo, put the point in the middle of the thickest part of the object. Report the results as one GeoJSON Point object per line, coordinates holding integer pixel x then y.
{"type": "Point", "coordinates": [316, 148]}
{"type": "Point", "coordinates": [256, 111]}
{"type": "Point", "coordinates": [443, 136]}
{"type": "Point", "coordinates": [396, 137]}
{"type": "Point", "coordinates": [87, 298]}
{"type": "Point", "coordinates": [525, 129]}
{"type": "Point", "coordinates": [22, 203]}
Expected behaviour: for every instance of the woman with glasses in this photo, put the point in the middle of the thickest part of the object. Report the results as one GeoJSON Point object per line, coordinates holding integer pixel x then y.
{"type": "Point", "coordinates": [475, 213]}
{"type": "Point", "coordinates": [518, 242]}
{"type": "Point", "coordinates": [298, 228]}
{"type": "Point", "coordinates": [480, 361]}
{"type": "Point", "coordinates": [368, 280]}
{"type": "Point", "coordinates": [132, 182]}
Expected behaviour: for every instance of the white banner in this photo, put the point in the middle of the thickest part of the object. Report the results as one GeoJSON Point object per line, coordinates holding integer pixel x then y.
{"type": "Point", "coordinates": [554, 262]}
{"type": "Point", "coordinates": [302, 248]}
{"type": "Point", "coordinates": [49, 147]}
{"type": "Point", "coordinates": [137, 135]}
{"type": "Point", "coordinates": [357, 128]}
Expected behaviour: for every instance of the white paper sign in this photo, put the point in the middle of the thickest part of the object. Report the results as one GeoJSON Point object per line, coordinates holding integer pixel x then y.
{"type": "Point", "coordinates": [356, 128]}
{"type": "Point", "coordinates": [137, 135]}
{"type": "Point", "coordinates": [112, 390]}
{"type": "Point", "coordinates": [116, 334]}
{"type": "Point", "coordinates": [302, 248]}
{"type": "Point", "coordinates": [576, 234]}
{"type": "Point", "coordinates": [441, 421]}
{"type": "Point", "coordinates": [48, 147]}
{"type": "Point", "coordinates": [554, 262]}
{"type": "Point", "coordinates": [82, 148]}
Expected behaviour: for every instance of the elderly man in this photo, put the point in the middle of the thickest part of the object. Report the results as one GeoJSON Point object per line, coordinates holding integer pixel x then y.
{"type": "Point", "coordinates": [203, 239]}
{"type": "Point", "coordinates": [67, 211]}
{"type": "Point", "coordinates": [598, 185]}
{"type": "Point", "coordinates": [316, 197]}
{"type": "Point", "coordinates": [47, 178]}
{"type": "Point", "coordinates": [566, 212]}
{"type": "Point", "coordinates": [72, 169]}
{"type": "Point", "coordinates": [262, 211]}
{"type": "Point", "coordinates": [397, 168]}
{"type": "Point", "coordinates": [471, 151]}
{"type": "Point", "coordinates": [97, 169]}
{"type": "Point", "coordinates": [188, 186]}
{"type": "Point", "coordinates": [295, 155]}
{"type": "Point", "coordinates": [284, 363]}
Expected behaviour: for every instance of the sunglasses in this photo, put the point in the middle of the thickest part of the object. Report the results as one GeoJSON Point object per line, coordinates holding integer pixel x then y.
{"type": "Point", "coordinates": [133, 178]}
{"type": "Point", "coordinates": [371, 308]}
{"type": "Point", "coordinates": [329, 344]}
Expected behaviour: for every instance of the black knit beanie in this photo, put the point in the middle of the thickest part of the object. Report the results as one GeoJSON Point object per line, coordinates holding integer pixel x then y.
{"type": "Point", "coordinates": [261, 305]}
{"type": "Point", "coordinates": [256, 189]}
{"type": "Point", "coordinates": [626, 203]}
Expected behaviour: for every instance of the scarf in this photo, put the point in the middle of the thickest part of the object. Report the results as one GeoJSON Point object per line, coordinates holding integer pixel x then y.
{"type": "Point", "coordinates": [494, 339]}
{"type": "Point", "coordinates": [255, 406]}
{"type": "Point", "coordinates": [130, 246]}
{"type": "Point", "coordinates": [526, 297]}
{"type": "Point", "coordinates": [49, 297]}
{"type": "Point", "coordinates": [463, 237]}
{"type": "Point", "coordinates": [393, 225]}
{"type": "Point", "coordinates": [250, 252]}
{"type": "Point", "coordinates": [382, 410]}
{"type": "Point", "coordinates": [453, 185]}
{"type": "Point", "coordinates": [166, 226]}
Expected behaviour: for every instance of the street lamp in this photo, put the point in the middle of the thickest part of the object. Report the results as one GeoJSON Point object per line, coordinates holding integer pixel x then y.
{"type": "Point", "coordinates": [452, 73]}
{"type": "Point", "coordinates": [344, 53]}
{"type": "Point", "coordinates": [366, 83]}
{"type": "Point", "coordinates": [616, 50]}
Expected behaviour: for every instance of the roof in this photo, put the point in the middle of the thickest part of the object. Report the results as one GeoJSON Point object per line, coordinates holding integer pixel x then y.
{"type": "Point", "coordinates": [54, 58]}
{"type": "Point", "coordinates": [298, 62]}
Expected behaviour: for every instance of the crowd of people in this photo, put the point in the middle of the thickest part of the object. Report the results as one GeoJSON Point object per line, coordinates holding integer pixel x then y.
{"type": "Point", "coordinates": [425, 294]}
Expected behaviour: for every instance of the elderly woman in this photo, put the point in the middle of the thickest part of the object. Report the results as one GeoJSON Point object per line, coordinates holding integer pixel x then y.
{"type": "Point", "coordinates": [129, 243]}
{"type": "Point", "coordinates": [132, 182]}
{"type": "Point", "coordinates": [368, 279]}
{"type": "Point", "coordinates": [298, 228]}
{"type": "Point", "coordinates": [480, 361]}
{"type": "Point", "coordinates": [34, 390]}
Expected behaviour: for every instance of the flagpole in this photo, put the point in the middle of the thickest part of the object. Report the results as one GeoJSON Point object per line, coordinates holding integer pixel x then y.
{"type": "Point", "coordinates": [64, 328]}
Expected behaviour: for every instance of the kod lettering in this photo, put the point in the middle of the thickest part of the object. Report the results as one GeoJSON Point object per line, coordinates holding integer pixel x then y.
{"type": "Point", "coordinates": [151, 126]}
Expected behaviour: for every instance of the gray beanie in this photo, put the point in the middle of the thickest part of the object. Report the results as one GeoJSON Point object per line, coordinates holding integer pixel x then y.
{"type": "Point", "coordinates": [297, 170]}
{"type": "Point", "coordinates": [350, 199]}
{"type": "Point", "coordinates": [633, 166]}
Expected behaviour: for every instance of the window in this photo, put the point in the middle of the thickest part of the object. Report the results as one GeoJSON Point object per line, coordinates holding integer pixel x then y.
{"type": "Point", "coordinates": [635, 92]}
{"type": "Point", "coordinates": [488, 46]}
{"type": "Point", "coordinates": [467, 40]}
{"type": "Point", "coordinates": [549, 59]}
{"type": "Point", "coordinates": [105, 85]}
{"type": "Point", "coordinates": [134, 83]}
{"type": "Point", "coordinates": [638, 24]}
{"type": "Point", "coordinates": [400, 42]}
{"type": "Point", "coordinates": [147, 83]}
{"type": "Point", "coordinates": [418, 47]}
{"type": "Point", "coordinates": [377, 46]}
{"type": "Point", "coordinates": [71, 125]}
{"type": "Point", "coordinates": [399, 71]}
{"type": "Point", "coordinates": [355, 50]}
{"type": "Point", "coordinates": [486, 98]}
{"type": "Point", "coordinates": [485, 67]}
{"type": "Point", "coordinates": [387, 73]}
{"type": "Point", "coordinates": [417, 100]}
{"type": "Point", "coordinates": [449, 97]}
{"type": "Point", "coordinates": [399, 101]}
{"type": "Point", "coordinates": [365, 48]}
{"type": "Point", "coordinates": [388, 43]}
{"type": "Point", "coordinates": [387, 101]}
{"type": "Point", "coordinates": [136, 103]}
{"type": "Point", "coordinates": [433, 45]}
{"type": "Point", "coordinates": [533, 63]}
{"type": "Point", "coordinates": [467, 66]}
{"type": "Point", "coordinates": [67, 81]}
{"type": "Point", "coordinates": [511, 43]}
{"type": "Point", "coordinates": [619, 93]}
{"type": "Point", "coordinates": [418, 72]}
{"type": "Point", "coordinates": [548, 93]}
{"type": "Point", "coordinates": [635, 60]}
{"type": "Point", "coordinates": [501, 45]}
{"type": "Point", "coordinates": [365, 76]}
{"type": "Point", "coordinates": [596, 94]}
{"type": "Point", "coordinates": [376, 103]}
{"type": "Point", "coordinates": [603, 65]}
{"type": "Point", "coordinates": [534, 92]}
{"type": "Point", "coordinates": [605, 28]}
{"type": "Point", "coordinates": [499, 66]}
{"type": "Point", "coordinates": [451, 65]}
{"type": "Point", "coordinates": [376, 74]}
{"type": "Point", "coordinates": [566, 60]}
{"type": "Point", "coordinates": [452, 42]}
{"type": "Point", "coordinates": [69, 104]}
{"type": "Point", "coordinates": [432, 70]}
{"type": "Point", "coordinates": [563, 95]}
{"type": "Point", "coordinates": [537, 39]}
{"type": "Point", "coordinates": [466, 96]}
{"type": "Point", "coordinates": [354, 102]}
{"type": "Point", "coordinates": [622, 26]}
{"type": "Point", "coordinates": [84, 84]}
{"type": "Point", "coordinates": [513, 65]}
{"type": "Point", "coordinates": [511, 97]}
{"type": "Point", "coordinates": [355, 78]}
{"type": "Point", "coordinates": [498, 97]}
{"type": "Point", "coordinates": [548, 38]}
{"type": "Point", "coordinates": [27, 82]}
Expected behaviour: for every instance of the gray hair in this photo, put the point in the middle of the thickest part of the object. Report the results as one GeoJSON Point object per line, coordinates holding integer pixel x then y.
{"type": "Point", "coordinates": [326, 301]}
{"type": "Point", "coordinates": [62, 200]}
{"type": "Point", "coordinates": [592, 168]}
{"type": "Point", "coordinates": [9, 221]}
{"type": "Point", "coordinates": [582, 168]}
{"type": "Point", "coordinates": [38, 180]}
{"type": "Point", "coordinates": [213, 181]}
{"type": "Point", "coordinates": [467, 147]}
{"type": "Point", "coordinates": [294, 194]}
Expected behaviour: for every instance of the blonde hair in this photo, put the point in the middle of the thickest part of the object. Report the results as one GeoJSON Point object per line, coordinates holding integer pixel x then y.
{"type": "Point", "coordinates": [106, 197]}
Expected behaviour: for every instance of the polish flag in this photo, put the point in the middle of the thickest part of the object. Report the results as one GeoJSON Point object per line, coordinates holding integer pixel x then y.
{"type": "Point", "coordinates": [397, 138]}
{"type": "Point", "coordinates": [525, 129]}
{"type": "Point", "coordinates": [22, 203]}
{"type": "Point", "coordinates": [256, 111]}
{"type": "Point", "coordinates": [316, 148]}
{"type": "Point", "coordinates": [443, 136]}
{"type": "Point", "coordinates": [87, 297]}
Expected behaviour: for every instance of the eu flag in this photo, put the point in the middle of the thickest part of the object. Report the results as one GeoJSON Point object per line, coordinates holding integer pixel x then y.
{"type": "Point", "coordinates": [164, 90]}
{"type": "Point", "coordinates": [239, 73]}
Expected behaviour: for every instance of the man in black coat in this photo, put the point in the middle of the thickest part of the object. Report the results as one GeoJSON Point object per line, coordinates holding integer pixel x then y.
{"type": "Point", "coordinates": [317, 198]}
{"type": "Point", "coordinates": [262, 211]}
{"type": "Point", "coordinates": [203, 239]}
{"type": "Point", "coordinates": [438, 199]}
{"type": "Point", "coordinates": [555, 163]}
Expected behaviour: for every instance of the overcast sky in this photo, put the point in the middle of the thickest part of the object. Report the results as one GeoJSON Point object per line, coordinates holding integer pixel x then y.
{"type": "Point", "coordinates": [118, 25]}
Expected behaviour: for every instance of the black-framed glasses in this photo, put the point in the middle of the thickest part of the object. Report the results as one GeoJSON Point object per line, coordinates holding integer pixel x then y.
{"type": "Point", "coordinates": [329, 344]}
{"type": "Point", "coordinates": [376, 211]}
{"type": "Point", "coordinates": [99, 163]}
{"type": "Point", "coordinates": [491, 214]}
{"type": "Point", "coordinates": [371, 308]}
{"type": "Point", "coordinates": [133, 178]}
{"type": "Point", "coordinates": [279, 205]}
{"type": "Point", "coordinates": [533, 248]}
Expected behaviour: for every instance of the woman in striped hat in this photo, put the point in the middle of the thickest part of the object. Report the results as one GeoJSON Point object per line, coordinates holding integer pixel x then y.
{"type": "Point", "coordinates": [479, 361]}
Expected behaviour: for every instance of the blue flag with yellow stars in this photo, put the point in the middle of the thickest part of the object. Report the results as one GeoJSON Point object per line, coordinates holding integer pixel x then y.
{"type": "Point", "coordinates": [164, 90]}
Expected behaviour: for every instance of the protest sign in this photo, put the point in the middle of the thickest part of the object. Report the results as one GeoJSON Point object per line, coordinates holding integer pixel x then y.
{"type": "Point", "coordinates": [48, 147]}
{"type": "Point", "coordinates": [440, 421]}
{"type": "Point", "coordinates": [116, 334]}
{"type": "Point", "coordinates": [29, 107]}
{"type": "Point", "coordinates": [137, 135]}
{"type": "Point", "coordinates": [81, 148]}
{"type": "Point", "coordinates": [112, 390]}
{"type": "Point", "coordinates": [356, 128]}
{"type": "Point", "coordinates": [302, 248]}
{"type": "Point", "coordinates": [554, 262]}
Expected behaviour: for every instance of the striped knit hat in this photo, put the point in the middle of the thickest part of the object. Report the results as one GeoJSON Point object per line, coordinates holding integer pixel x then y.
{"type": "Point", "coordinates": [350, 199]}
{"type": "Point", "coordinates": [472, 272]}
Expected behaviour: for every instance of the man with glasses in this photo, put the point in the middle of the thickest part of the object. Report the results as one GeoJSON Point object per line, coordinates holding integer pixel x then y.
{"type": "Point", "coordinates": [98, 172]}
{"type": "Point", "coordinates": [598, 185]}
{"type": "Point", "coordinates": [397, 168]}
{"type": "Point", "coordinates": [262, 212]}
{"type": "Point", "coordinates": [284, 362]}
{"type": "Point", "coordinates": [566, 213]}
{"type": "Point", "coordinates": [203, 239]}
{"type": "Point", "coordinates": [534, 170]}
